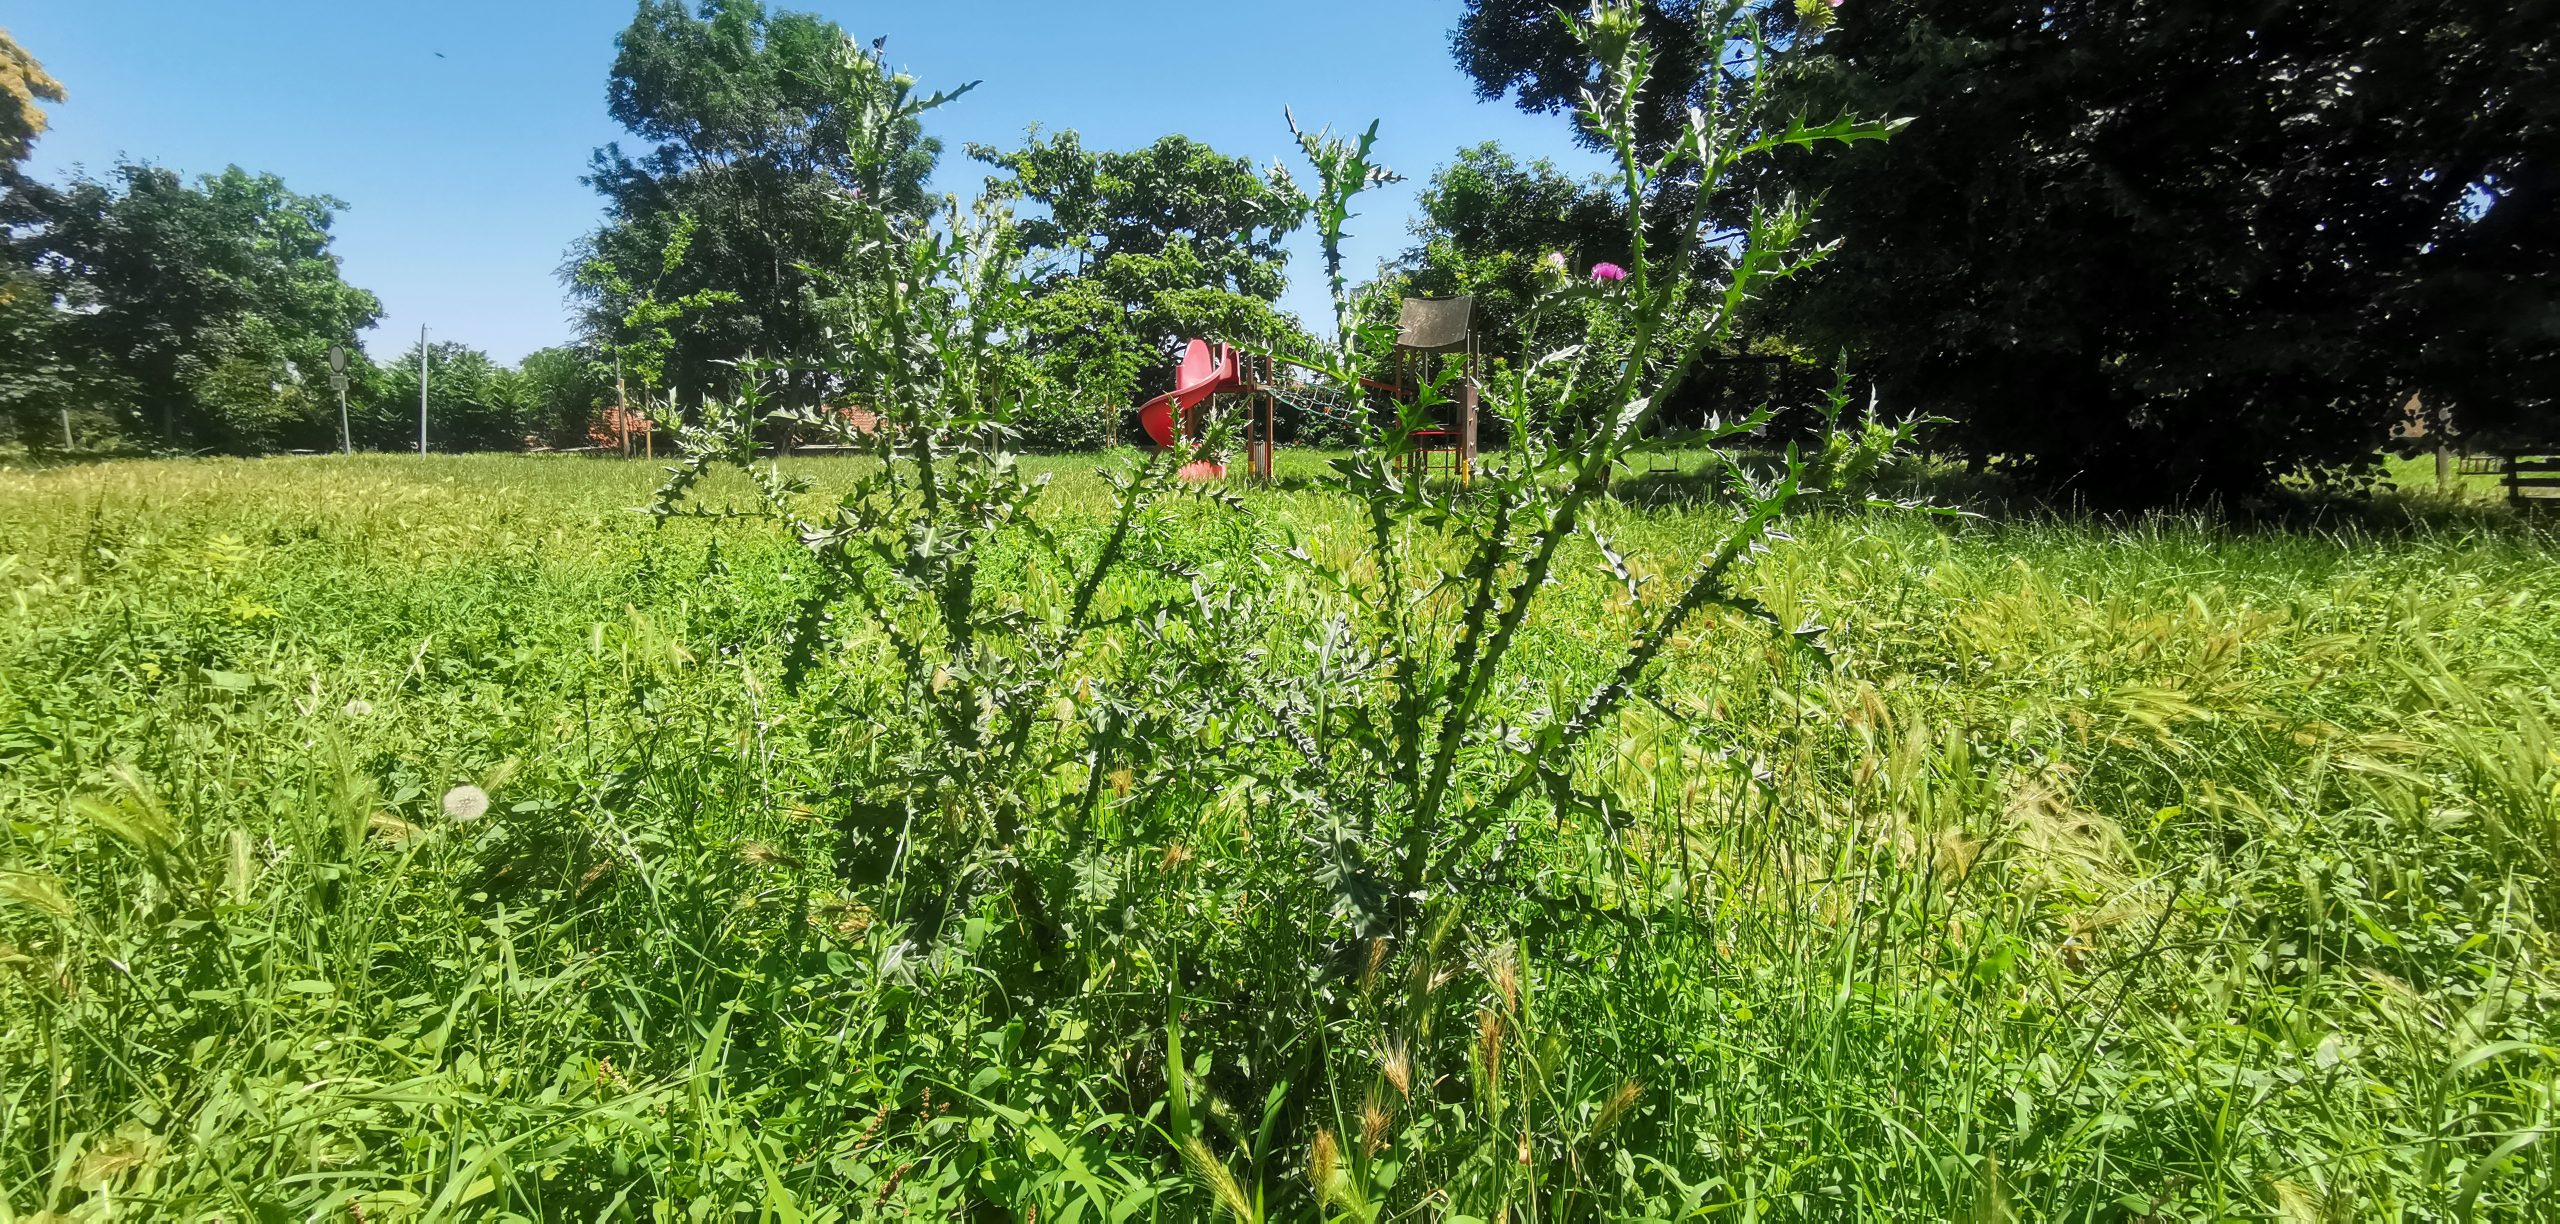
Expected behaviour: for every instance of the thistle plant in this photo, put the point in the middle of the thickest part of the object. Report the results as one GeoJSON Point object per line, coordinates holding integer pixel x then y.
{"type": "Point", "coordinates": [990, 781]}
{"type": "Point", "coordinates": [1450, 574]}
{"type": "Point", "coordinates": [933, 793]}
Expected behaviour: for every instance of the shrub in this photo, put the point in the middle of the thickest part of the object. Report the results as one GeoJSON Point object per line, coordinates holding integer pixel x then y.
{"type": "Point", "coordinates": [1054, 424]}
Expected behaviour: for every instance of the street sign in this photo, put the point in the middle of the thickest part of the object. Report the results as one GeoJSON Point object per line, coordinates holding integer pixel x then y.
{"type": "Point", "coordinates": [338, 383]}
{"type": "Point", "coordinates": [338, 363]}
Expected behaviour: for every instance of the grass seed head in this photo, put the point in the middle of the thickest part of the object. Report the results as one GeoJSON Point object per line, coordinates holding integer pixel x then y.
{"type": "Point", "coordinates": [1502, 969]}
{"type": "Point", "coordinates": [1957, 851]}
{"type": "Point", "coordinates": [39, 892]}
{"type": "Point", "coordinates": [1324, 1163]}
{"type": "Point", "coordinates": [1615, 1109]}
{"type": "Point", "coordinates": [603, 869]}
{"type": "Point", "coordinates": [762, 855]}
{"type": "Point", "coordinates": [1214, 1174]}
{"type": "Point", "coordinates": [1374, 1121]}
{"type": "Point", "coordinates": [1395, 1062]}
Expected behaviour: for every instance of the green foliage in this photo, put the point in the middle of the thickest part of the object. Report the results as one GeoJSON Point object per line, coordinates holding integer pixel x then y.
{"type": "Point", "coordinates": [940, 834]}
{"type": "Point", "coordinates": [2309, 187]}
{"type": "Point", "coordinates": [2196, 840]}
{"type": "Point", "coordinates": [473, 403]}
{"type": "Point", "coordinates": [565, 390]}
{"type": "Point", "coordinates": [1343, 170]}
{"type": "Point", "coordinates": [1134, 253]}
{"type": "Point", "coordinates": [1488, 228]}
{"type": "Point", "coordinates": [1526, 50]}
{"type": "Point", "coordinates": [767, 128]}
{"type": "Point", "coordinates": [1434, 730]}
{"type": "Point", "coordinates": [36, 381]}
{"type": "Point", "coordinates": [173, 306]}
{"type": "Point", "coordinates": [1064, 420]}
{"type": "Point", "coordinates": [640, 342]}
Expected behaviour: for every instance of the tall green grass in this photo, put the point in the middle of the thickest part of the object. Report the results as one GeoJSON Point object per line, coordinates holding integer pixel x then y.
{"type": "Point", "coordinates": [2153, 869]}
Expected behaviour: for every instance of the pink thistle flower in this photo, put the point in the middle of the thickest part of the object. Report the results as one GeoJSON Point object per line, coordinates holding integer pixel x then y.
{"type": "Point", "coordinates": [1608, 272]}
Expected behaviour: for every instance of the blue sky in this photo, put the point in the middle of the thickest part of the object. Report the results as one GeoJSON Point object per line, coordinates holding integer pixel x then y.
{"type": "Point", "coordinates": [461, 173]}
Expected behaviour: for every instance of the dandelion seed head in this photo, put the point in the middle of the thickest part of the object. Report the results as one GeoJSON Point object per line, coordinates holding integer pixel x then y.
{"type": "Point", "coordinates": [466, 803]}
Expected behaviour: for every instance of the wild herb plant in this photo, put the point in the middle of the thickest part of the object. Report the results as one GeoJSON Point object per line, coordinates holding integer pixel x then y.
{"type": "Point", "coordinates": [1388, 741]}
{"type": "Point", "coordinates": [1446, 764]}
{"type": "Point", "coordinates": [960, 750]}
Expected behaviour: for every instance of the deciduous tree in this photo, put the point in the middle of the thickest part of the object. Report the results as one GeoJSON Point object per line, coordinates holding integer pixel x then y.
{"type": "Point", "coordinates": [23, 84]}
{"type": "Point", "coordinates": [169, 302]}
{"type": "Point", "coordinates": [1499, 230]}
{"type": "Point", "coordinates": [1136, 252]}
{"type": "Point", "coordinates": [761, 134]}
{"type": "Point", "coordinates": [473, 403]}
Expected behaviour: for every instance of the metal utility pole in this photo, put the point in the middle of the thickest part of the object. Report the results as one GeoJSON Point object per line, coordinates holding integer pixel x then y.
{"type": "Point", "coordinates": [338, 381]}
{"type": "Point", "coordinates": [621, 407]}
{"type": "Point", "coordinates": [67, 443]}
{"type": "Point", "coordinates": [422, 388]}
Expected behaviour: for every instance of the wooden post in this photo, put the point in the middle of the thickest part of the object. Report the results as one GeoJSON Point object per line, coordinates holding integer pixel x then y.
{"type": "Point", "coordinates": [1261, 430]}
{"type": "Point", "coordinates": [2444, 465]}
{"type": "Point", "coordinates": [1467, 427]}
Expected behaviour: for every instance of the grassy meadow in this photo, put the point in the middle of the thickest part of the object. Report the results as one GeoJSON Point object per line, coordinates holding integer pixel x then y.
{"type": "Point", "coordinates": [2142, 870]}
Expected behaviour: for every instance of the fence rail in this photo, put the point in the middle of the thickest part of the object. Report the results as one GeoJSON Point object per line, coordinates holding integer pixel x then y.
{"type": "Point", "coordinates": [2533, 480]}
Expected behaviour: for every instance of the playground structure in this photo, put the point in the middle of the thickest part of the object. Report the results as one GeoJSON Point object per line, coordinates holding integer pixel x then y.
{"type": "Point", "coordinates": [1428, 332]}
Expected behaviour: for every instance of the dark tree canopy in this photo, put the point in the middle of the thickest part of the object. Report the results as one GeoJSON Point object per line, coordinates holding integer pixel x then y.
{"type": "Point", "coordinates": [2156, 250]}
{"type": "Point", "coordinates": [1521, 49]}
{"type": "Point", "coordinates": [2173, 249]}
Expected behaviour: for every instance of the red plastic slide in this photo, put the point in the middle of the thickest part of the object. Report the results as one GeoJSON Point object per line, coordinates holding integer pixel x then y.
{"type": "Point", "coordinates": [1202, 375]}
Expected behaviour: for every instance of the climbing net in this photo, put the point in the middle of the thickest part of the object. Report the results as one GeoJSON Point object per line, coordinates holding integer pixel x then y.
{"type": "Point", "coordinates": [1330, 403]}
